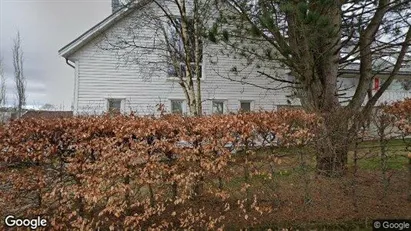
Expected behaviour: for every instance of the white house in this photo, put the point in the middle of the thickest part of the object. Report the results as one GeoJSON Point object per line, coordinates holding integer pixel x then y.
{"type": "Point", "coordinates": [108, 79]}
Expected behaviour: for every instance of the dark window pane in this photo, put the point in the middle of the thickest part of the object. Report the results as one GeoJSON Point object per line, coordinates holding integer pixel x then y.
{"type": "Point", "coordinates": [179, 53]}
{"type": "Point", "coordinates": [245, 106]}
{"type": "Point", "coordinates": [114, 105]}
{"type": "Point", "coordinates": [171, 71]}
{"type": "Point", "coordinates": [183, 70]}
{"type": "Point", "coordinates": [193, 68]}
{"type": "Point", "coordinates": [218, 107]}
{"type": "Point", "coordinates": [177, 106]}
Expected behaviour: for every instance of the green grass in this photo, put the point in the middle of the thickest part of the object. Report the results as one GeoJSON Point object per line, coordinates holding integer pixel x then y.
{"type": "Point", "coordinates": [369, 155]}
{"type": "Point", "coordinates": [394, 162]}
{"type": "Point", "coordinates": [394, 144]}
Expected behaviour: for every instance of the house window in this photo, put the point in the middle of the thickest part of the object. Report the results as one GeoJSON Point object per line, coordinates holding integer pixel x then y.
{"type": "Point", "coordinates": [245, 106]}
{"type": "Point", "coordinates": [177, 106]}
{"type": "Point", "coordinates": [180, 70]}
{"type": "Point", "coordinates": [177, 62]}
{"type": "Point", "coordinates": [114, 105]}
{"type": "Point", "coordinates": [218, 107]}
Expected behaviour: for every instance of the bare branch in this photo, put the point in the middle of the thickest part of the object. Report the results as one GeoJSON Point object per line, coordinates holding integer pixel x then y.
{"type": "Point", "coordinates": [19, 77]}
{"type": "Point", "coordinates": [2, 84]}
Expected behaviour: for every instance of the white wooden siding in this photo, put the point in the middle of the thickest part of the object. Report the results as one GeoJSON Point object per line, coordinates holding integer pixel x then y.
{"type": "Point", "coordinates": [101, 74]}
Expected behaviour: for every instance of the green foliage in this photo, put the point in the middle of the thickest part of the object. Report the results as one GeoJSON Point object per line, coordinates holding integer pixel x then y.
{"type": "Point", "coordinates": [268, 53]}
{"type": "Point", "coordinates": [287, 7]}
{"type": "Point", "coordinates": [323, 22]}
{"type": "Point", "coordinates": [212, 33]}
{"type": "Point", "coordinates": [312, 18]}
{"type": "Point", "coordinates": [302, 8]}
{"type": "Point", "coordinates": [267, 20]}
{"type": "Point", "coordinates": [394, 162]}
{"type": "Point", "coordinates": [255, 31]}
{"type": "Point", "coordinates": [226, 35]}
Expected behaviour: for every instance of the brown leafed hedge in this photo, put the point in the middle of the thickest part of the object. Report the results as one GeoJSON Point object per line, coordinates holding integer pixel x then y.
{"type": "Point", "coordinates": [401, 110]}
{"type": "Point", "coordinates": [135, 172]}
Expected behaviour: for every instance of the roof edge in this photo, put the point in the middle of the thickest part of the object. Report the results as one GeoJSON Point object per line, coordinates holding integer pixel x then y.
{"type": "Point", "coordinates": [100, 27]}
{"type": "Point", "coordinates": [72, 47]}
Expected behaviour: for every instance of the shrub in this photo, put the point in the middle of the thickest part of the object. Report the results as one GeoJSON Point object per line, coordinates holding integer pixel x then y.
{"type": "Point", "coordinates": [133, 172]}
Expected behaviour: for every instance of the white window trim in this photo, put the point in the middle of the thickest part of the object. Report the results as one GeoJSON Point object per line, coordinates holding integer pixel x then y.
{"type": "Point", "coordinates": [224, 101]}
{"type": "Point", "coordinates": [122, 105]}
{"type": "Point", "coordinates": [184, 104]}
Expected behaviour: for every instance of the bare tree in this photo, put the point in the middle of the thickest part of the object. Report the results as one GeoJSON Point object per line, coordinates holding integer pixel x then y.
{"type": "Point", "coordinates": [317, 41]}
{"type": "Point", "coordinates": [178, 28]}
{"type": "Point", "coordinates": [19, 77]}
{"type": "Point", "coordinates": [2, 84]}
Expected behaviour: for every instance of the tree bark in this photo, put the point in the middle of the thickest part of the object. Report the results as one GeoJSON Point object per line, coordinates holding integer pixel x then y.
{"type": "Point", "coordinates": [334, 143]}
{"type": "Point", "coordinates": [311, 44]}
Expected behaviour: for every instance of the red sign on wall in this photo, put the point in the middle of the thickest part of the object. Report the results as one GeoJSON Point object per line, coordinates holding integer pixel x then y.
{"type": "Point", "coordinates": [376, 83]}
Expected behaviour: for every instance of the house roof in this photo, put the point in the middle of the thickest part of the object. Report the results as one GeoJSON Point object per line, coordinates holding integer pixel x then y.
{"type": "Point", "coordinates": [47, 114]}
{"type": "Point", "coordinates": [99, 28]}
{"type": "Point", "coordinates": [381, 66]}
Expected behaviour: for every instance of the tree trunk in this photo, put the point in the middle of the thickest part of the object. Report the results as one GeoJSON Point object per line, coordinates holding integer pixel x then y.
{"type": "Point", "coordinates": [192, 105]}
{"type": "Point", "coordinates": [332, 162]}
{"type": "Point", "coordinates": [334, 144]}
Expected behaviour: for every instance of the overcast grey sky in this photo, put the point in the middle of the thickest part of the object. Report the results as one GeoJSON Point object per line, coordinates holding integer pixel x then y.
{"type": "Point", "coordinates": [46, 26]}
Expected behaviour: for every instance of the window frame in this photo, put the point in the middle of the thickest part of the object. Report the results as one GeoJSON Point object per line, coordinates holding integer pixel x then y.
{"type": "Point", "coordinates": [250, 102]}
{"type": "Point", "coordinates": [183, 107]}
{"type": "Point", "coordinates": [112, 99]}
{"type": "Point", "coordinates": [183, 65]}
{"type": "Point", "coordinates": [170, 66]}
{"type": "Point", "coordinates": [223, 102]}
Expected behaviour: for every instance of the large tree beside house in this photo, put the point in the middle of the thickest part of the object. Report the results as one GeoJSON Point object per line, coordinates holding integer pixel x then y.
{"type": "Point", "coordinates": [149, 52]}
{"type": "Point", "coordinates": [180, 26]}
{"type": "Point", "coordinates": [316, 39]}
